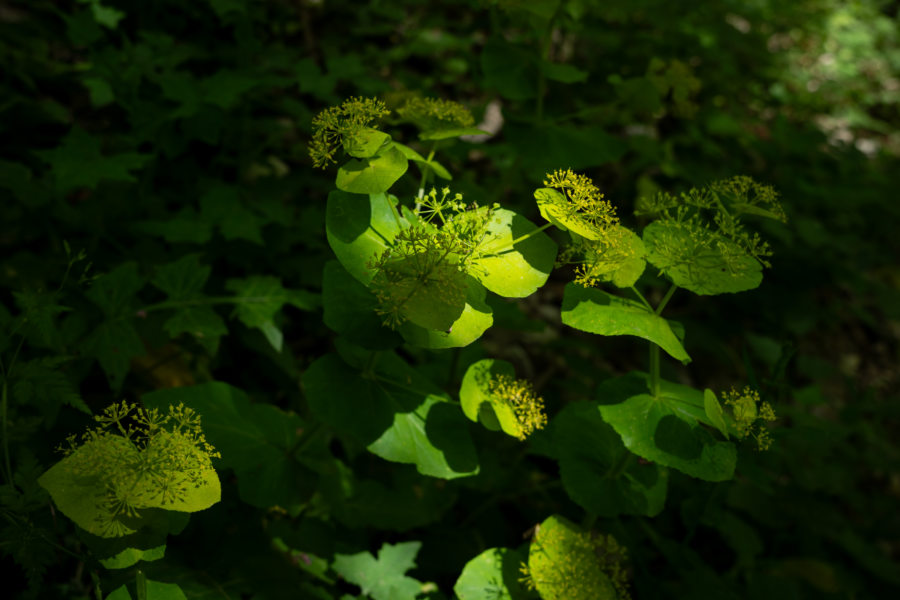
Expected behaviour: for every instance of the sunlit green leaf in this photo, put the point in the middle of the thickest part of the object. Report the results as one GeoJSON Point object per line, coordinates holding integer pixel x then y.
{"type": "Point", "coordinates": [359, 228]}
{"type": "Point", "coordinates": [382, 578]}
{"type": "Point", "coordinates": [492, 575]}
{"type": "Point", "coordinates": [596, 311]}
{"type": "Point", "coordinates": [373, 175]}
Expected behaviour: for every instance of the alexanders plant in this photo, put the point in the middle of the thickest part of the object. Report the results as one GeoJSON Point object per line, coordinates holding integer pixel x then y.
{"type": "Point", "coordinates": [419, 271]}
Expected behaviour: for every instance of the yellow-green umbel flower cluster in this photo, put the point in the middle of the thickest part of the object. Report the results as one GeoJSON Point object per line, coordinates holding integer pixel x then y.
{"type": "Point", "coordinates": [335, 126]}
{"type": "Point", "coordinates": [750, 415]}
{"type": "Point", "coordinates": [567, 563]}
{"type": "Point", "coordinates": [422, 276]}
{"type": "Point", "coordinates": [581, 207]}
{"type": "Point", "coordinates": [140, 458]}
{"type": "Point", "coordinates": [432, 114]}
{"type": "Point", "coordinates": [519, 396]}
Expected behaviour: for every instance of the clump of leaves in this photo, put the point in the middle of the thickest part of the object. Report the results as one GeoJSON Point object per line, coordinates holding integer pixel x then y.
{"type": "Point", "coordinates": [134, 459]}
{"type": "Point", "coordinates": [347, 125]}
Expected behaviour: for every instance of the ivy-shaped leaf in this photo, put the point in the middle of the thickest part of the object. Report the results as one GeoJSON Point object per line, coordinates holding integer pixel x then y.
{"type": "Point", "coordinates": [41, 384]}
{"type": "Point", "coordinates": [78, 162]}
{"type": "Point", "coordinates": [183, 282]}
{"type": "Point", "coordinates": [382, 578]}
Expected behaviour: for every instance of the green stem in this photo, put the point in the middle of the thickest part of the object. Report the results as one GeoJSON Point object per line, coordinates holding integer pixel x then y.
{"type": "Point", "coordinates": [141, 585]}
{"type": "Point", "coordinates": [654, 349]}
{"type": "Point", "coordinates": [426, 171]}
{"type": "Point", "coordinates": [641, 297]}
{"type": "Point", "coordinates": [666, 299]}
{"type": "Point", "coordinates": [654, 370]}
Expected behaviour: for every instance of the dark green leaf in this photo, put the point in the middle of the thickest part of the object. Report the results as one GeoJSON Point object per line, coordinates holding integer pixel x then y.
{"type": "Point", "coordinates": [349, 309]}
{"type": "Point", "coordinates": [407, 419]}
{"type": "Point", "coordinates": [260, 297]}
{"type": "Point", "coordinates": [254, 440]}
{"type": "Point", "coordinates": [359, 229]}
{"type": "Point", "coordinates": [492, 575]}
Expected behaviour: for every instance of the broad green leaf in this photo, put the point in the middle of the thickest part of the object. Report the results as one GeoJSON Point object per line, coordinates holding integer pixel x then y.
{"type": "Point", "coordinates": [443, 134]}
{"type": "Point", "coordinates": [513, 270]}
{"type": "Point", "coordinates": [492, 575]}
{"type": "Point", "coordinates": [373, 175]}
{"type": "Point", "coordinates": [260, 297]}
{"type": "Point", "coordinates": [554, 208]}
{"type": "Point", "coordinates": [475, 319]}
{"type": "Point", "coordinates": [349, 309]}
{"type": "Point", "coordinates": [155, 591]}
{"type": "Point", "coordinates": [254, 440]}
{"type": "Point", "coordinates": [78, 486]}
{"type": "Point", "coordinates": [407, 419]}
{"type": "Point", "coordinates": [435, 302]}
{"type": "Point", "coordinates": [666, 429]}
{"type": "Point", "coordinates": [182, 279]}
{"type": "Point", "coordinates": [596, 311]}
{"type": "Point", "coordinates": [713, 411]}
{"type": "Point", "coordinates": [382, 578]}
{"type": "Point", "coordinates": [700, 260]}
{"type": "Point", "coordinates": [562, 563]}
{"type": "Point", "coordinates": [478, 403]}
{"type": "Point", "coordinates": [365, 142]}
{"type": "Point", "coordinates": [359, 229]}
{"type": "Point", "coordinates": [598, 472]}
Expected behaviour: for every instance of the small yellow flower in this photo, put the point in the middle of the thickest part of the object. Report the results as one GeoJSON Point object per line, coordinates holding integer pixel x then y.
{"type": "Point", "coordinates": [334, 125]}
{"type": "Point", "coordinates": [519, 395]}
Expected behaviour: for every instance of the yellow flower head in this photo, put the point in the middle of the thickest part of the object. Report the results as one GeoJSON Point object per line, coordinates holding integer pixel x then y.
{"type": "Point", "coordinates": [519, 395]}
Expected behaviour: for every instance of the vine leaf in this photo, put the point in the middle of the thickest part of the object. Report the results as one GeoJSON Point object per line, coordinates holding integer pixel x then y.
{"type": "Point", "coordinates": [596, 311]}
{"type": "Point", "coordinates": [407, 418]}
{"type": "Point", "coordinates": [182, 281]}
{"type": "Point", "coordinates": [382, 578]}
{"type": "Point", "coordinates": [373, 175]}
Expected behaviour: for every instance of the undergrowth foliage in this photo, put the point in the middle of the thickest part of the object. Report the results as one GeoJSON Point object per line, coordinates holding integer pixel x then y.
{"type": "Point", "coordinates": [447, 301]}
